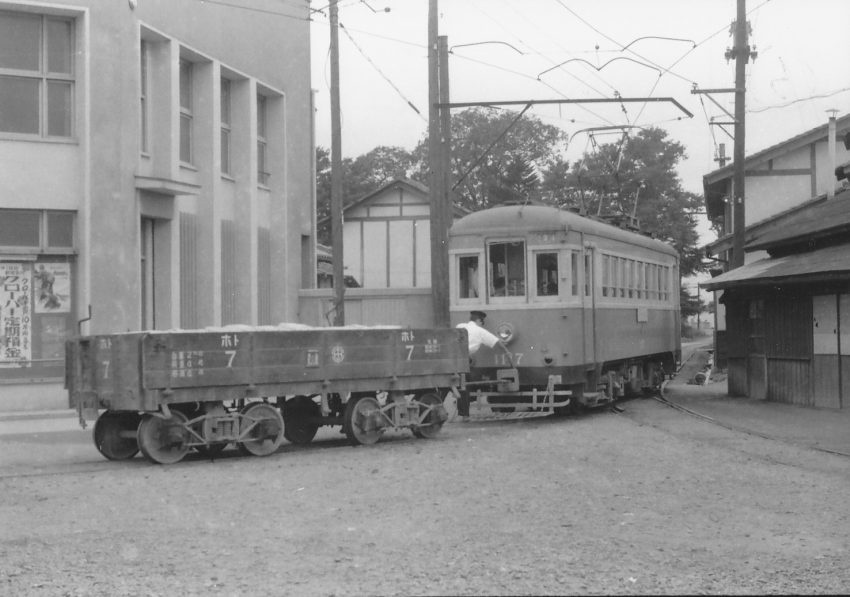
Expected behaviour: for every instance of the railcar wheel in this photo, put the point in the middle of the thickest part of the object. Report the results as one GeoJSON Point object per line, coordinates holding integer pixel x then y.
{"type": "Point", "coordinates": [261, 429]}
{"type": "Point", "coordinates": [362, 420]}
{"type": "Point", "coordinates": [164, 441]}
{"type": "Point", "coordinates": [433, 422]}
{"type": "Point", "coordinates": [115, 435]}
{"type": "Point", "coordinates": [299, 426]}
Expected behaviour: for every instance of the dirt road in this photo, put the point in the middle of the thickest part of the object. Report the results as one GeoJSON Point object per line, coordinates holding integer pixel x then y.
{"type": "Point", "coordinates": [644, 501]}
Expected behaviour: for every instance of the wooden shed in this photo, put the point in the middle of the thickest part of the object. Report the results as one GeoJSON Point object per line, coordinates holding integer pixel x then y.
{"type": "Point", "coordinates": [788, 315]}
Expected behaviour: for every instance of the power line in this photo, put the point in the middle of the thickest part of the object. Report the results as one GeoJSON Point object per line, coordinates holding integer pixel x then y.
{"type": "Point", "coordinates": [259, 10]}
{"type": "Point", "coordinates": [797, 101]}
{"type": "Point", "coordinates": [380, 72]}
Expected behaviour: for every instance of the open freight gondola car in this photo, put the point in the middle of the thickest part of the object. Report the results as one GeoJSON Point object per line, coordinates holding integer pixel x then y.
{"type": "Point", "coordinates": [165, 393]}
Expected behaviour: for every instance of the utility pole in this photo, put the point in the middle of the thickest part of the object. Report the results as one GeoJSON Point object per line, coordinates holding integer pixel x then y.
{"type": "Point", "coordinates": [741, 53]}
{"type": "Point", "coordinates": [336, 173]}
{"type": "Point", "coordinates": [437, 180]}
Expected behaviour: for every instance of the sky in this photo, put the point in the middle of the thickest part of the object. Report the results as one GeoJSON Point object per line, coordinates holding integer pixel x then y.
{"type": "Point", "coordinates": [508, 50]}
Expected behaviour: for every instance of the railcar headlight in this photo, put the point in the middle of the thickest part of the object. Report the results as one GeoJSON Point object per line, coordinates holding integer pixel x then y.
{"type": "Point", "coordinates": [505, 332]}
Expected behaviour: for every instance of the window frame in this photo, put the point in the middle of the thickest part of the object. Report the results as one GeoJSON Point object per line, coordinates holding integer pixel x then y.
{"type": "Point", "coordinates": [226, 118]}
{"type": "Point", "coordinates": [43, 246]}
{"type": "Point", "coordinates": [47, 79]}
{"type": "Point", "coordinates": [263, 174]}
{"type": "Point", "coordinates": [144, 96]}
{"type": "Point", "coordinates": [187, 115]}
{"type": "Point", "coordinates": [507, 298]}
{"type": "Point", "coordinates": [535, 282]}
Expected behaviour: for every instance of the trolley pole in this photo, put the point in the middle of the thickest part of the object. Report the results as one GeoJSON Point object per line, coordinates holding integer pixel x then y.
{"type": "Point", "coordinates": [336, 173]}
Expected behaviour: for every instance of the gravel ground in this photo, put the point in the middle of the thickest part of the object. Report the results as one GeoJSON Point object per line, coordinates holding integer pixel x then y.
{"type": "Point", "coordinates": [644, 501]}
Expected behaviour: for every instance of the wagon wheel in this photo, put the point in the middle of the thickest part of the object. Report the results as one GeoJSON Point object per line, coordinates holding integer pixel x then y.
{"type": "Point", "coordinates": [430, 406]}
{"type": "Point", "coordinates": [362, 420]}
{"type": "Point", "coordinates": [115, 434]}
{"type": "Point", "coordinates": [164, 441]}
{"type": "Point", "coordinates": [298, 417]}
{"type": "Point", "coordinates": [260, 429]}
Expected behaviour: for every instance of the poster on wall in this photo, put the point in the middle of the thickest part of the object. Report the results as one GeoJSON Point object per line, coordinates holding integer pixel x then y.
{"type": "Point", "coordinates": [52, 287]}
{"type": "Point", "coordinates": [15, 315]}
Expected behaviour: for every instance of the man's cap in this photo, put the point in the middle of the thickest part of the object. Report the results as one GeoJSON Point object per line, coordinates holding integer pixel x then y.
{"type": "Point", "coordinates": [477, 315]}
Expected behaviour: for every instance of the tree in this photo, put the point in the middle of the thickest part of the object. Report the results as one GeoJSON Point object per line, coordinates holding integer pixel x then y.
{"type": "Point", "coordinates": [499, 156]}
{"type": "Point", "coordinates": [637, 176]}
{"type": "Point", "coordinates": [496, 156]}
{"type": "Point", "coordinates": [360, 177]}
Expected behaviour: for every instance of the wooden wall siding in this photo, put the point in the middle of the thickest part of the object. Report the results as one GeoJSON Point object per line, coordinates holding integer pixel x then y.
{"type": "Point", "coordinates": [825, 387]}
{"type": "Point", "coordinates": [788, 328]}
{"type": "Point", "coordinates": [189, 315]}
{"type": "Point", "coordinates": [757, 377]}
{"type": "Point", "coordinates": [264, 276]}
{"type": "Point", "coordinates": [789, 381]}
{"type": "Point", "coordinates": [737, 377]}
{"type": "Point", "coordinates": [739, 329]}
{"type": "Point", "coordinates": [229, 275]}
{"type": "Point", "coordinates": [844, 397]}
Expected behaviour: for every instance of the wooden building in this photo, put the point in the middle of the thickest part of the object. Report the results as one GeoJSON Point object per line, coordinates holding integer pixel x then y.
{"type": "Point", "coordinates": [386, 257]}
{"type": "Point", "coordinates": [788, 314]}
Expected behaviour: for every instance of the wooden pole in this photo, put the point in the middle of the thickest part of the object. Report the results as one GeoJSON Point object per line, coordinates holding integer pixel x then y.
{"type": "Point", "coordinates": [336, 173]}
{"type": "Point", "coordinates": [439, 236]}
{"type": "Point", "coordinates": [742, 54]}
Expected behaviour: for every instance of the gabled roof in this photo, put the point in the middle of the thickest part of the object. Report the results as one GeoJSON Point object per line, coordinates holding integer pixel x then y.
{"type": "Point", "coordinates": [715, 183]}
{"type": "Point", "coordinates": [828, 264]}
{"type": "Point", "coordinates": [803, 139]}
{"type": "Point", "coordinates": [811, 222]}
{"type": "Point", "coordinates": [408, 183]}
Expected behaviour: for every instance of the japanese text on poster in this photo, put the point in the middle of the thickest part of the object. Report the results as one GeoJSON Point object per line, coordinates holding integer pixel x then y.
{"type": "Point", "coordinates": [15, 314]}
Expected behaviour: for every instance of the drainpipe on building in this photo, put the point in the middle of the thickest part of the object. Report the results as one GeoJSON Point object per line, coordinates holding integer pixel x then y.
{"type": "Point", "coordinates": [831, 140]}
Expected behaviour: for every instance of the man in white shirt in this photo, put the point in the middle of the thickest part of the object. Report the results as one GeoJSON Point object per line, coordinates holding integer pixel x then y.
{"type": "Point", "coordinates": [478, 335]}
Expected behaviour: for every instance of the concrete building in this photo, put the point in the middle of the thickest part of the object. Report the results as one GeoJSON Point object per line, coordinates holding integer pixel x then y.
{"type": "Point", "coordinates": [157, 172]}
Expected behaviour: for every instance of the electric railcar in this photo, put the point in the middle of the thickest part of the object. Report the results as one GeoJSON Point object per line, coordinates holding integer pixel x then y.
{"type": "Point", "coordinates": [588, 311]}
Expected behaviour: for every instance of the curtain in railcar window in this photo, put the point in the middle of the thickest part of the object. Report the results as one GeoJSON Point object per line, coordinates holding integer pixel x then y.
{"type": "Point", "coordinates": [547, 274]}
{"type": "Point", "coordinates": [468, 274]}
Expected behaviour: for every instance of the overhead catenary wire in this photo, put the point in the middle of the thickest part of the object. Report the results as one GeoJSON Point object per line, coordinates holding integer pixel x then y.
{"type": "Point", "coordinates": [380, 72]}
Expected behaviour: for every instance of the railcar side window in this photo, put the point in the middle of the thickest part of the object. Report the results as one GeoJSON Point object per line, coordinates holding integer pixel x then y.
{"type": "Point", "coordinates": [468, 272]}
{"type": "Point", "coordinates": [634, 279]}
{"type": "Point", "coordinates": [507, 268]}
{"type": "Point", "coordinates": [547, 274]}
{"type": "Point", "coordinates": [574, 273]}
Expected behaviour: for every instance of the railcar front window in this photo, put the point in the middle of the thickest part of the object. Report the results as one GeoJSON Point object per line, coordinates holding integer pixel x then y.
{"type": "Point", "coordinates": [507, 269]}
{"type": "Point", "coordinates": [468, 272]}
{"type": "Point", "coordinates": [547, 274]}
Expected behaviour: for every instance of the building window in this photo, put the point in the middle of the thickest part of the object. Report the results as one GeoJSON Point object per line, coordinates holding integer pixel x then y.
{"type": "Point", "coordinates": [36, 231]}
{"type": "Point", "coordinates": [262, 166]}
{"type": "Point", "coordinates": [225, 126]}
{"type": "Point", "coordinates": [186, 115]}
{"type": "Point", "coordinates": [36, 75]}
{"type": "Point", "coordinates": [143, 97]}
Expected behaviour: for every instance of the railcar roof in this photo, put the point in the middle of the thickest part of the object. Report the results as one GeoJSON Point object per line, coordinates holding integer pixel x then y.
{"type": "Point", "coordinates": [512, 218]}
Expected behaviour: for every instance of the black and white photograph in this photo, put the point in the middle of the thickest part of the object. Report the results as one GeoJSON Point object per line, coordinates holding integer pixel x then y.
{"type": "Point", "coordinates": [366, 298]}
